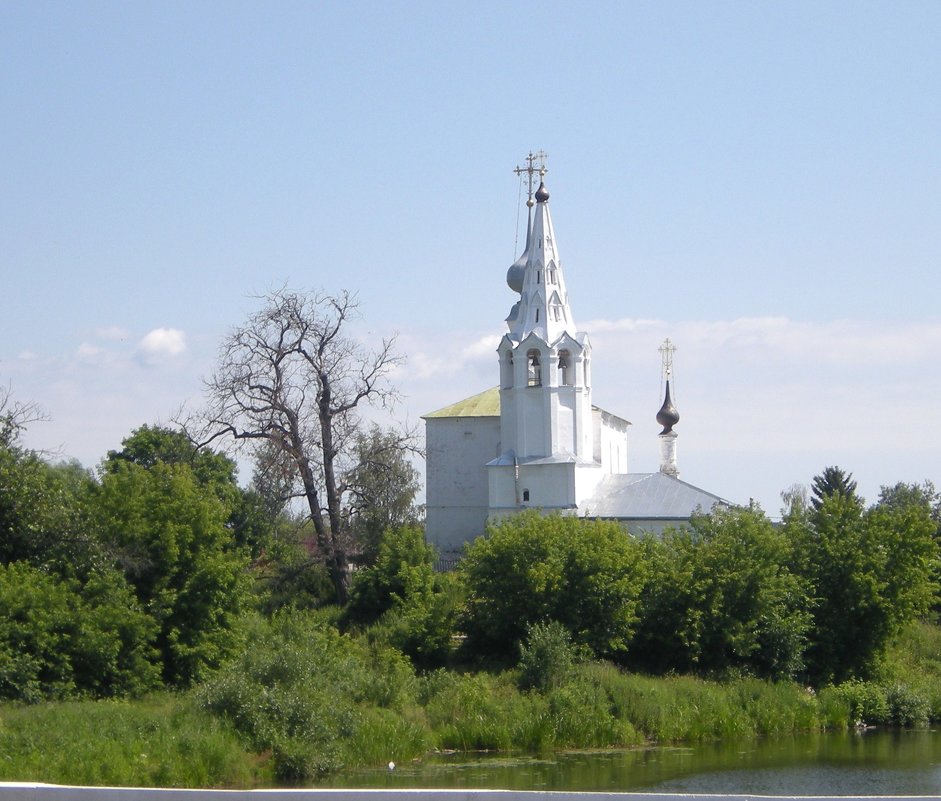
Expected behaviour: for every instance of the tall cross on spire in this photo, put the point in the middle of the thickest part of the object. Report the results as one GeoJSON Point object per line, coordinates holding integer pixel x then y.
{"type": "Point", "coordinates": [667, 349]}
{"type": "Point", "coordinates": [535, 165]}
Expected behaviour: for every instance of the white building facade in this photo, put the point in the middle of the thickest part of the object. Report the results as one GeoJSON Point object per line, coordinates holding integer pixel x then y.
{"type": "Point", "coordinates": [536, 440]}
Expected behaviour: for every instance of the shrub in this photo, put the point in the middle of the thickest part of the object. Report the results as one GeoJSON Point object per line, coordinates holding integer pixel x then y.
{"type": "Point", "coordinates": [547, 657]}
{"type": "Point", "coordinates": [866, 702]}
{"type": "Point", "coordinates": [907, 707]}
{"type": "Point", "coordinates": [585, 574]}
{"type": "Point", "coordinates": [305, 692]}
{"type": "Point", "coordinates": [413, 608]}
{"type": "Point", "coordinates": [59, 639]}
{"type": "Point", "coordinates": [402, 576]}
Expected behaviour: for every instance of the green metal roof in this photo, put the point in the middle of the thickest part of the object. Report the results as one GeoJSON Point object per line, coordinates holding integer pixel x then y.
{"type": "Point", "coordinates": [484, 404]}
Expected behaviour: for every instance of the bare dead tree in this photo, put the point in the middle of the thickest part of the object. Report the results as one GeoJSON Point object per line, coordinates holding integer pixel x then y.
{"type": "Point", "coordinates": [16, 415]}
{"type": "Point", "coordinates": [293, 377]}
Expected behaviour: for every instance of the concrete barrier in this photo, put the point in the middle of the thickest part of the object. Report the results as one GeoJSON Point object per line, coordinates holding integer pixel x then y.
{"type": "Point", "coordinates": [25, 791]}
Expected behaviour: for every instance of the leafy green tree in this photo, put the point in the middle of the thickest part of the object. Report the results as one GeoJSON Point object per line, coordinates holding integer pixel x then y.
{"type": "Point", "coordinates": [402, 588]}
{"type": "Point", "coordinates": [871, 572]}
{"type": "Point", "coordinates": [529, 568]}
{"type": "Point", "coordinates": [383, 486]}
{"type": "Point", "coordinates": [35, 623]}
{"type": "Point", "coordinates": [719, 597]}
{"type": "Point", "coordinates": [59, 639]}
{"type": "Point", "coordinates": [924, 495]}
{"type": "Point", "coordinates": [114, 652]}
{"type": "Point", "coordinates": [402, 575]}
{"type": "Point", "coordinates": [42, 512]}
{"type": "Point", "coordinates": [168, 533]}
{"type": "Point", "coordinates": [246, 515]}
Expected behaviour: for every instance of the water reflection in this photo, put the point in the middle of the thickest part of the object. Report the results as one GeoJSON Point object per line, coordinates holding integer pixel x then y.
{"type": "Point", "coordinates": [871, 763]}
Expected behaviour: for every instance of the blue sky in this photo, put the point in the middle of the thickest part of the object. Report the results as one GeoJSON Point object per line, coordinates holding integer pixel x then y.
{"type": "Point", "coordinates": [761, 182]}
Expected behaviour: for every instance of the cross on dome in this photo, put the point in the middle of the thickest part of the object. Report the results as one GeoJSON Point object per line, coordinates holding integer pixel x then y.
{"type": "Point", "coordinates": [543, 308]}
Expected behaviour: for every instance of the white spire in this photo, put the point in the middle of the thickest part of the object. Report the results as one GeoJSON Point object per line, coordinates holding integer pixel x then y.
{"type": "Point", "coordinates": [543, 308]}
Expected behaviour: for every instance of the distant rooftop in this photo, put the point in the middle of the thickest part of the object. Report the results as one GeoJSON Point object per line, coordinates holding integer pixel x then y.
{"type": "Point", "coordinates": [648, 496]}
{"type": "Point", "coordinates": [484, 404]}
{"type": "Point", "coordinates": [487, 404]}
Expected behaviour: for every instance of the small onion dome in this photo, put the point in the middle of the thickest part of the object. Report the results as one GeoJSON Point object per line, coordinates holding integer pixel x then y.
{"type": "Point", "coordinates": [514, 276]}
{"type": "Point", "coordinates": [514, 314]}
{"type": "Point", "coordinates": [668, 416]}
{"type": "Point", "coordinates": [542, 194]}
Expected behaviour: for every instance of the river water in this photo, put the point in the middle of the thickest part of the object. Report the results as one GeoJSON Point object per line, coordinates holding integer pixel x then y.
{"type": "Point", "coordinates": [854, 763]}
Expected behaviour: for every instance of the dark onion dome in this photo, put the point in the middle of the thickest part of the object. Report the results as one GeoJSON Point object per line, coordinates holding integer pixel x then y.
{"type": "Point", "coordinates": [542, 194]}
{"type": "Point", "coordinates": [668, 416]}
{"type": "Point", "coordinates": [514, 276]}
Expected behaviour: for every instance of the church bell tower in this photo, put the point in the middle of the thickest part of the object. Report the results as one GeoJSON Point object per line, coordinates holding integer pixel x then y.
{"type": "Point", "coordinates": [546, 425]}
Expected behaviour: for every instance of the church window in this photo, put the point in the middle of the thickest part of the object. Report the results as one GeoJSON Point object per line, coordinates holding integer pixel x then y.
{"type": "Point", "coordinates": [538, 276]}
{"type": "Point", "coordinates": [552, 277]}
{"type": "Point", "coordinates": [506, 370]}
{"type": "Point", "coordinates": [537, 315]}
{"type": "Point", "coordinates": [565, 368]}
{"type": "Point", "coordinates": [533, 369]}
{"type": "Point", "coordinates": [525, 496]}
{"type": "Point", "coordinates": [555, 313]}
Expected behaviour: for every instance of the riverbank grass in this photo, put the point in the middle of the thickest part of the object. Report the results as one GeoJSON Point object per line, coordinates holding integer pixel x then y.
{"type": "Point", "coordinates": [160, 741]}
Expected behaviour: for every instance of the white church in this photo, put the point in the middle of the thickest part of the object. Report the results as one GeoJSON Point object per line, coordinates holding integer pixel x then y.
{"type": "Point", "coordinates": [536, 440]}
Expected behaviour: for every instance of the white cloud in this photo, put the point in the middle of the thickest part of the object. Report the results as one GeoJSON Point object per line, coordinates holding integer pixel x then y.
{"type": "Point", "coordinates": [775, 340]}
{"type": "Point", "coordinates": [485, 347]}
{"type": "Point", "coordinates": [112, 332]}
{"type": "Point", "coordinates": [163, 342]}
{"type": "Point", "coordinates": [87, 352]}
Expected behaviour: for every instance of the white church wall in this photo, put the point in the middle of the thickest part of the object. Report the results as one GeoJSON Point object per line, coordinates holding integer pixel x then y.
{"type": "Point", "coordinates": [457, 487]}
{"type": "Point", "coordinates": [564, 411]}
{"type": "Point", "coordinates": [610, 441]}
{"type": "Point", "coordinates": [550, 487]}
{"type": "Point", "coordinates": [531, 418]}
{"type": "Point", "coordinates": [587, 478]}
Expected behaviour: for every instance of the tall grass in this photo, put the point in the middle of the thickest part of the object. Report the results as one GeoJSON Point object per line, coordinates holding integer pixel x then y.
{"type": "Point", "coordinates": [304, 700]}
{"type": "Point", "coordinates": [674, 708]}
{"type": "Point", "coordinates": [161, 741]}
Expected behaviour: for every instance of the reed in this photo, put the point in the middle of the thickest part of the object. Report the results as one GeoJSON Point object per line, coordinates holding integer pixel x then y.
{"type": "Point", "coordinates": [304, 701]}
{"type": "Point", "coordinates": [162, 740]}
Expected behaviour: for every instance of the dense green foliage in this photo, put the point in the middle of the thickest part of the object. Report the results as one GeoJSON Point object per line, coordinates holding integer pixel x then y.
{"type": "Point", "coordinates": [116, 586]}
{"type": "Point", "coordinates": [719, 597]}
{"type": "Point", "coordinates": [317, 699]}
{"type": "Point", "coordinates": [172, 543]}
{"type": "Point", "coordinates": [304, 700]}
{"type": "Point", "coordinates": [870, 572]}
{"type": "Point", "coordinates": [412, 608]}
{"type": "Point", "coordinates": [60, 639]}
{"type": "Point", "coordinates": [161, 572]}
{"type": "Point", "coordinates": [529, 569]}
